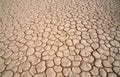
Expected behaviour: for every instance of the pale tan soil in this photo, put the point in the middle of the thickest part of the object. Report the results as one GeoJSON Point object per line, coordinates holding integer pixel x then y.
{"type": "Point", "coordinates": [59, 38]}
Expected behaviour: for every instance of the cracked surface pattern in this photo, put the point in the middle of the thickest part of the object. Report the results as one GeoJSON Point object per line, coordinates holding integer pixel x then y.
{"type": "Point", "coordinates": [59, 38]}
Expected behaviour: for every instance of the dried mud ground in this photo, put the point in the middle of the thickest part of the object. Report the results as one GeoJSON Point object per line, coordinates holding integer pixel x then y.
{"type": "Point", "coordinates": [59, 38]}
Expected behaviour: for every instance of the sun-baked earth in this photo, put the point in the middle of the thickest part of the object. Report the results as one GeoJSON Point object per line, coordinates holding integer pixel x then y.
{"type": "Point", "coordinates": [59, 38]}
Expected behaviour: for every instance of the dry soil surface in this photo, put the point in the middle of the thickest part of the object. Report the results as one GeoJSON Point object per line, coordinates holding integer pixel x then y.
{"type": "Point", "coordinates": [59, 38]}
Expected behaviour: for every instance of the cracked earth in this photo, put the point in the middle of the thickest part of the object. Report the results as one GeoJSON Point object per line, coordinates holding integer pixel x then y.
{"type": "Point", "coordinates": [59, 38]}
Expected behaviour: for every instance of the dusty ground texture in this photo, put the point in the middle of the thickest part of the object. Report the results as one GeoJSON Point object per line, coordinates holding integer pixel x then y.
{"type": "Point", "coordinates": [59, 38]}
